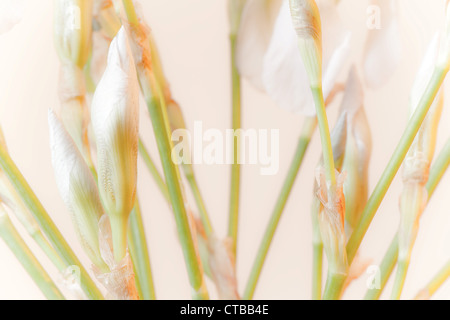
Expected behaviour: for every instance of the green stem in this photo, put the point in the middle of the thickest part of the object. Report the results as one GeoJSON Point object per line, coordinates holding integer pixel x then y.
{"type": "Point", "coordinates": [175, 192]}
{"type": "Point", "coordinates": [400, 277]}
{"type": "Point", "coordinates": [305, 137]}
{"type": "Point", "coordinates": [158, 114]}
{"type": "Point", "coordinates": [389, 261]}
{"type": "Point", "coordinates": [335, 281]}
{"type": "Point", "coordinates": [49, 251]}
{"type": "Point", "coordinates": [130, 11]}
{"type": "Point", "coordinates": [327, 150]}
{"type": "Point", "coordinates": [395, 162]}
{"type": "Point", "coordinates": [438, 169]}
{"type": "Point", "coordinates": [386, 267]}
{"type": "Point", "coordinates": [153, 170]}
{"type": "Point", "coordinates": [235, 167]}
{"type": "Point", "coordinates": [328, 161]}
{"type": "Point", "coordinates": [435, 283]}
{"type": "Point", "coordinates": [45, 222]}
{"type": "Point", "coordinates": [16, 244]}
{"type": "Point", "coordinates": [140, 256]}
{"type": "Point", "coordinates": [317, 271]}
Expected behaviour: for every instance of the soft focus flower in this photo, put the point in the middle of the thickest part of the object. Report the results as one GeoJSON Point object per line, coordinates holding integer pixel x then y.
{"type": "Point", "coordinates": [77, 188]}
{"type": "Point", "coordinates": [382, 50]}
{"type": "Point", "coordinates": [253, 39]}
{"type": "Point", "coordinates": [417, 163]}
{"type": "Point", "coordinates": [357, 152]}
{"type": "Point", "coordinates": [307, 25]}
{"type": "Point", "coordinates": [73, 29]}
{"type": "Point", "coordinates": [284, 74]}
{"type": "Point", "coordinates": [11, 12]}
{"type": "Point", "coordinates": [115, 120]}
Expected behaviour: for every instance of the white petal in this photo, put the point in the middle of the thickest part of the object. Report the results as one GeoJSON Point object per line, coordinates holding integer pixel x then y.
{"type": "Point", "coordinates": [253, 38]}
{"type": "Point", "coordinates": [284, 74]}
{"type": "Point", "coordinates": [334, 64]}
{"type": "Point", "coordinates": [382, 50]}
{"type": "Point", "coordinates": [11, 12]}
{"type": "Point", "coordinates": [76, 186]}
{"type": "Point", "coordinates": [115, 120]}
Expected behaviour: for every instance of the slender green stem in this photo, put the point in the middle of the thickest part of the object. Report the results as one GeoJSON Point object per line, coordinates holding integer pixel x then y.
{"type": "Point", "coordinates": [130, 11]}
{"type": "Point", "coordinates": [48, 227]}
{"type": "Point", "coordinates": [157, 108]}
{"type": "Point", "coordinates": [27, 220]}
{"type": "Point", "coordinates": [335, 282]}
{"type": "Point", "coordinates": [317, 271]}
{"type": "Point", "coordinates": [395, 162]}
{"type": "Point", "coordinates": [438, 169]}
{"type": "Point", "coordinates": [389, 261]}
{"type": "Point", "coordinates": [235, 167]}
{"type": "Point", "coordinates": [153, 170]}
{"type": "Point", "coordinates": [438, 280]}
{"type": "Point", "coordinates": [49, 251]}
{"type": "Point", "coordinates": [400, 277]}
{"type": "Point", "coordinates": [16, 244]}
{"type": "Point", "coordinates": [327, 150]}
{"type": "Point", "coordinates": [305, 137]}
{"type": "Point", "coordinates": [386, 267]}
{"type": "Point", "coordinates": [317, 251]}
{"type": "Point", "coordinates": [175, 192]}
{"type": "Point", "coordinates": [140, 256]}
{"type": "Point", "coordinates": [328, 161]}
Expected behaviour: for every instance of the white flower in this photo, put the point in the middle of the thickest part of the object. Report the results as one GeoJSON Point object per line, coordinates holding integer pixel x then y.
{"type": "Point", "coordinates": [11, 12]}
{"type": "Point", "coordinates": [115, 120]}
{"type": "Point", "coordinates": [382, 50]}
{"type": "Point", "coordinates": [282, 73]}
{"type": "Point", "coordinates": [77, 188]}
{"type": "Point", "coordinates": [254, 36]}
{"type": "Point", "coordinates": [73, 30]}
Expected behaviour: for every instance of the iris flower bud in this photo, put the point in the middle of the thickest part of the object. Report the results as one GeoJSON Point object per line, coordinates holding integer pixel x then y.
{"type": "Point", "coordinates": [306, 20]}
{"type": "Point", "coordinates": [73, 30]}
{"type": "Point", "coordinates": [115, 120]}
{"type": "Point", "coordinates": [77, 188]}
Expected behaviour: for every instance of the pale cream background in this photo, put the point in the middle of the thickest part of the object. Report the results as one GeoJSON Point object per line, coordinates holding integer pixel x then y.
{"type": "Point", "coordinates": [192, 37]}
